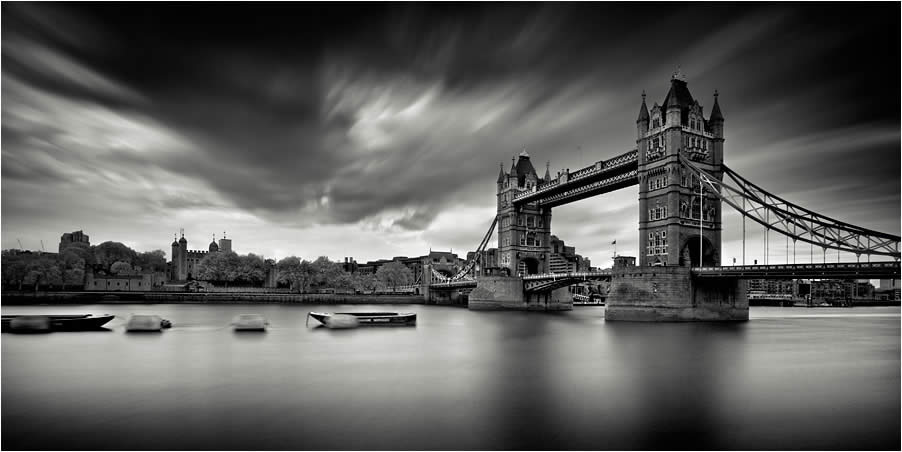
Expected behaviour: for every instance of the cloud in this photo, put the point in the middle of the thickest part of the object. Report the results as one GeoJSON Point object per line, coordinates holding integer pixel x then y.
{"type": "Point", "coordinates": [383, 130]}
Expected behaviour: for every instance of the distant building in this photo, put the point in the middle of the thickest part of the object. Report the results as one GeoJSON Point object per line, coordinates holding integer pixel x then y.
{"type": "Point", "coordinates": [184, 261]}
{"type": "Point", "coordinates": [564, 259]}
{"type": "Point", "coordinates": [444, 262]}
{"type": "Point", "coordinates": [624, 261]}
{"type": "Point", "coordinates": [73, 237]}
{"type": "Point", "coordinates": [225, 245]}
{"type": "Point", "coordinates": [132, 282]}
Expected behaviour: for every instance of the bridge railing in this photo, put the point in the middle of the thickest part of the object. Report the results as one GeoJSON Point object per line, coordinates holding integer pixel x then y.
{"type": "Point", "coordinates": [829, 266]}
{"type": "Point", "coordinates": [594, 185]}
{"type": "Point", "coordinates": [607, 165]}
{"type": "Point", "coordinates": [572, 275]}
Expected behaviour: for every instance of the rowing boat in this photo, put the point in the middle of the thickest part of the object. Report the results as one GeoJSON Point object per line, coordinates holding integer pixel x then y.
{"type": "Point", "coordinates": [367, 318]}
{"type": "Point", "coordinates": [67, 322]}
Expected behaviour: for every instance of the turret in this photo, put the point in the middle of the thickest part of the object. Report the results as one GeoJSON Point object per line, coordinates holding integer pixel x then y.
{"type": "Point", "coordinates": [213, 246]}
{"type": "Point", "coordinates": [501, 176]}
{"type": "Point", "coordinates": [642, 122]}
{"type": "Point", "coordinates": [716, 120]}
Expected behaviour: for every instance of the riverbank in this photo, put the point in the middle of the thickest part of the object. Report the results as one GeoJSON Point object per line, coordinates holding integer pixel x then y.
{"type": "Point", "coordinates": [33, 298]}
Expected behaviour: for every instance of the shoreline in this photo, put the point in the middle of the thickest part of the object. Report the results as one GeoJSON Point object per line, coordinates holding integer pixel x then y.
{"type": "Point", "coordinates": [63, 298]}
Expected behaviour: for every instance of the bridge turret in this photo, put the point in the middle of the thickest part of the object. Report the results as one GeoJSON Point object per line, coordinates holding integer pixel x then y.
{"type": "Point", "coordinates": [644, 118]}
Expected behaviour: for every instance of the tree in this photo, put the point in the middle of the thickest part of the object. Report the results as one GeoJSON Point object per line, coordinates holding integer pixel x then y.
{"type": "Point", "coordinates": [43, 271]}
{"type": "Point", "coordinates": [394, 274]}
{"type": "Point", "coordinates": [328, 274]}
{"type": "Point", "coordinates": [120, 267]}
{"type": "Point", "coordinates": [218, 267]}
{"type": "Point", "coordinates": [108, 253]}
{"type": "Point", "coordinates": [251, 270]}
{"type": "Point", "coordinates": [363, 282]}
{"type": "Point", "coordinates": [297, 273]}
{"type": "Point", "coordinates": [15, 268]}
{"type": "Point", "coordinates": [153, 261]}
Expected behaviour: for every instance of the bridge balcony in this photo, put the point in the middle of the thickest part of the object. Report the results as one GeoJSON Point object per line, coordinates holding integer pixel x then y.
{"type": "Point", "coordinates": [654, 153]}
{"type": "Point", "coordinates": [697, 132]}
{"type": "Point", "coordinates": [696, 153]}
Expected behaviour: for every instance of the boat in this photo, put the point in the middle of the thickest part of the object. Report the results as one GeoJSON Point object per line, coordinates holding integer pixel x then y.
{"type": "Point", "coordinates": [249, 322]}
{"type": "Point", "coordinates": [351, 319]}
{"type": "Point", "coordinates": [142, 322]}
{"type": "Point", "coordinates": [68, 322]}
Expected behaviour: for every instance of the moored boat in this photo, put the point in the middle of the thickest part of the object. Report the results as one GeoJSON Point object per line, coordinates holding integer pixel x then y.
{"type": "Point", "coordinates": [249, 322]}
{"type": "Point", "coordinates": [337, 319]}
{"type": "Point", "coordinates": [66, 322]}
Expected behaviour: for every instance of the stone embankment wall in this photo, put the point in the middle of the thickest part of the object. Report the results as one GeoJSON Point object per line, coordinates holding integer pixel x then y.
{"type": "Point", "coordinates": [203, 298]}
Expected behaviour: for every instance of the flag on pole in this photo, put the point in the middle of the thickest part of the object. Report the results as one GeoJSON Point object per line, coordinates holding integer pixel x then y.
{"type": "Point", "coordinates": [614, 242]}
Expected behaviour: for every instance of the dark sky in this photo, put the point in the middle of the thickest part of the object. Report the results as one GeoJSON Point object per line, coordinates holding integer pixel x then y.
{"type": "Point", "coordinates": [375, 130]}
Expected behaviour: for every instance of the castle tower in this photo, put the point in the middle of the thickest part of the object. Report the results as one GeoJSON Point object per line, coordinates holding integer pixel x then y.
{"type": "Point", "coordinates": [670, 207]}
{"type": "Point", "coordinates": [523, 232]}
{"type": "Point", "coordinates": [174, 269]}
{"type": "Point", "coordinates": [183, 257]}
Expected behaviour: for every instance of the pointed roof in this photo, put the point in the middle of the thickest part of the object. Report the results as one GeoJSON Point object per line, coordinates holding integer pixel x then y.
{"type": "Point", "coordinates": [513, 171]}
{"type": "Point", "coordinates": [524, 166]}
{"type": "Point", "coordinates": [501, 174]}
{"type": "Point", "coordinates": [547, 171]}
{"type": "Point", "coordinates": [716, 115]}
{"type": "Point", "coordinates": [679, 95]}
{"type": "Point", "coordinates": [643, 110]}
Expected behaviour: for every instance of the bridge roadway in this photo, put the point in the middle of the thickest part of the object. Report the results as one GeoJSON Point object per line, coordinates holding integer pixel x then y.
{"type": "Point", "coordinates": [850, 270]}
{"type": "Point", "coordinates": [601, 177]}
{"type": "Point", "coordinates": [845, 270]}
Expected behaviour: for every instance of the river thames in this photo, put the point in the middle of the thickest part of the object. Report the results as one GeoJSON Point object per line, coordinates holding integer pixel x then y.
{"type": "Point", "coordinates": [791, 378]}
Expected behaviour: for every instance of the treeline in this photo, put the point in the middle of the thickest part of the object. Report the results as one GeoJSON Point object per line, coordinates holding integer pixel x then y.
{"type": "Point", "coordinates": [299, 275]}
{"type": "Point", "coordinates": [25, 269]}
{"type": "Point", "coordinates": [68, 269]}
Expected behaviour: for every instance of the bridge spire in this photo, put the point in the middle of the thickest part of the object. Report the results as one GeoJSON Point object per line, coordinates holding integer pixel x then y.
{"type": "Point", "coordinates": [501, 173]}
{"type": "Point", "coordinates": [547, 171]}
{"type": "Point", "coordinates": [716, 115]}
{"type": "Point", "coordinates": [643, 110]}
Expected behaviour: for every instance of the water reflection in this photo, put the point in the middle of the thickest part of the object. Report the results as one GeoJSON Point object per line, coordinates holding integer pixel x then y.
{"type": "Point", "coordinates": [458, 380]}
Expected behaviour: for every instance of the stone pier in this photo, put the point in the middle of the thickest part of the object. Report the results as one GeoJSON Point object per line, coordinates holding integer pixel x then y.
{"type": "Point", "coordinates": [505, 292]}
{"type": "Point", "coordinates": [655, 294]}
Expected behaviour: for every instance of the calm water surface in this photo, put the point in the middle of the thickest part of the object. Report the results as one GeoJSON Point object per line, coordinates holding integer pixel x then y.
{"type": "Point", "coordinates": [789, 378]}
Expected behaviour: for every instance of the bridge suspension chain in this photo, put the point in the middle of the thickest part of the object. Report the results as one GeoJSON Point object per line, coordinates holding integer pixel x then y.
{"type": "Point", "coordinates": [462, 274]}
{"type": "Point", "coordinates": [792, 220]}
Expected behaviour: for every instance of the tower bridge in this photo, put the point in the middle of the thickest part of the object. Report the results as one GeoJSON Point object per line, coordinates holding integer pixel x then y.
{"type": "Point", "coordinates": [678, 165]}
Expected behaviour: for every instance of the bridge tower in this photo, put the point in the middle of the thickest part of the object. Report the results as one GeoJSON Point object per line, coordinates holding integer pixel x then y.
{"type": "Point", "coordinates": [524, 231]}
{"type": "Point", "coordinates": [670, 207]}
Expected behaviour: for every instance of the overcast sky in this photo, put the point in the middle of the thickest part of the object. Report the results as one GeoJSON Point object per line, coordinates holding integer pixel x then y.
{"type": "Point", "coordinates": [373, 131]}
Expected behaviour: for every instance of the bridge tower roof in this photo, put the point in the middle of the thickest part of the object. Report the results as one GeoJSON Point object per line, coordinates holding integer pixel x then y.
{"type": "Point", "coordinates": [716, 115]}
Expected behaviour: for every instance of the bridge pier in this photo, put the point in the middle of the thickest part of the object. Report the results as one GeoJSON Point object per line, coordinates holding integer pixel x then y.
{"type": "Point", "coordinates": [507, 293]}
{"type": "Point", "coordinates": [656, 294]}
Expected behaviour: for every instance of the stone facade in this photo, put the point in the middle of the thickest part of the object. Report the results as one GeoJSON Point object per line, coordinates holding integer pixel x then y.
{"type": "Point", "coordinates": [184, 261]}
{"type": "Point", "coordinates": [670, 294]}
{"type": "Point", "coordinates": [524, 232]}
{"type": "Point", "coordinates": [125, 283]}
{"type": "Point", "coordinates": [670, 207]}
{"type": "Point", "coordinates": [73, 237]}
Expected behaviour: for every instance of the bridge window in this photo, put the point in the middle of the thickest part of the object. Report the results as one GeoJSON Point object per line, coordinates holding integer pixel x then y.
{"type": "Point", "coordinates": [519, 221]}
{"type": "Point", "coordinates": [530, 221]}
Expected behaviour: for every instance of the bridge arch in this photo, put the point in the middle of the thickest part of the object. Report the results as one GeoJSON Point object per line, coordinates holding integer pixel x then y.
{"type": "Point", "coordinates": [529, 266]}
{"type": "Point", "coordinates": [689, 252]}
